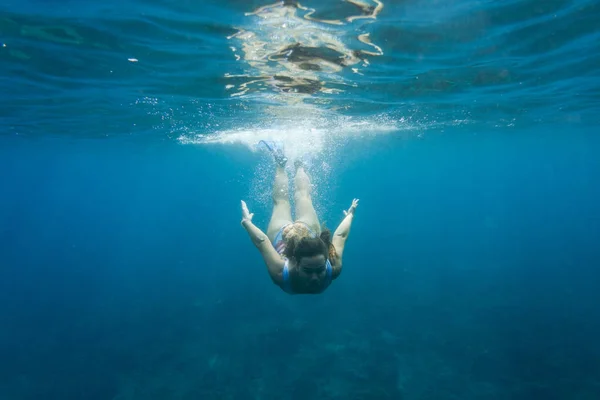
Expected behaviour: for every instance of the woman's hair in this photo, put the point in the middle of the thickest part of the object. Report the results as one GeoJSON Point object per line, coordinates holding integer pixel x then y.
{"type": "Point", "coordinates": [305, 246]}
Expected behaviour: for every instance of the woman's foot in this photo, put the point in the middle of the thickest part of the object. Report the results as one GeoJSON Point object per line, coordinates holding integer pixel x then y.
{"type": "Point", "coordinates": [298, 163]}
{"type": "Point", "coordinates": [276, 151]}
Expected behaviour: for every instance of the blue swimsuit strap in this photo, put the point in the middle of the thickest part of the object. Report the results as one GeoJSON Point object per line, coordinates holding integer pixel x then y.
{"type": "Point", "coordinates": [287, 282]}
{"type": "Point", "coordinates": [329, 274]}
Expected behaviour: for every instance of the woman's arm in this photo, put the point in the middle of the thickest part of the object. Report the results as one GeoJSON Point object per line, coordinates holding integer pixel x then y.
{"type": "Point", "coordinates": [261, 241]}
{"type": "Point", "coordinates": [341, 235]}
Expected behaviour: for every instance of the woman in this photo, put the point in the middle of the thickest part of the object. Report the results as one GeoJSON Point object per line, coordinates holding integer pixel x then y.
{"type": "Point", "coordinates": [300, 258]}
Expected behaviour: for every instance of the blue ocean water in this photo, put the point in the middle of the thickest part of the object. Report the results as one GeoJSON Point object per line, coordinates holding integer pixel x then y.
{"type": "Point", "coordinates": [468, 129]}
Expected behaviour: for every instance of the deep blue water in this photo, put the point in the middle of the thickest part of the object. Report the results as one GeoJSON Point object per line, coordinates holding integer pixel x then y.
{"type": "Point", "coordinates": [471, 271]}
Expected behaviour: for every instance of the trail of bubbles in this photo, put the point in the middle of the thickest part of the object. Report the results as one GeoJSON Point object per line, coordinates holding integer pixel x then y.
{"type": "Point", "coordinates": [304, 136]}
{"type": "Point", "coordinates": [317, 141]}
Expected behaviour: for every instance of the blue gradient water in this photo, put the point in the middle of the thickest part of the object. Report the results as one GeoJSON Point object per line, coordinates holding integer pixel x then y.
{"type": "Point", "coordinates": [471, 270]}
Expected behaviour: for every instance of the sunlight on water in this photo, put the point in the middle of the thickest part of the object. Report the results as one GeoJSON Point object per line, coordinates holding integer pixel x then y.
{"type": "Point", "coordinates": [290, 58]}
{"type": "Point", "coordinates": [285, 49]}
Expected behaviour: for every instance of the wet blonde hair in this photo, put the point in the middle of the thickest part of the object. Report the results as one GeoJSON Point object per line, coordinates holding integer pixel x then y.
{"type": "Point", "coordinates": [300, 243]}
{"type": "Point", "coordinates": [295, 232]}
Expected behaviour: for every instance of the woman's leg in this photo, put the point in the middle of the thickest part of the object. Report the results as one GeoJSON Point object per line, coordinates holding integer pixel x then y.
{"type": "Point", "coordinates": [305, 212]}
{"type": "Point", "coordinates": [282, 212]}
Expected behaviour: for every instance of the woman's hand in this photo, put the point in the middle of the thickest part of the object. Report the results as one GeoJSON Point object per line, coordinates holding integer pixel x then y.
{"type": "Point", "coordinates": [352, 207]}
{"type": "Point", "coordinates": [246, 214]}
